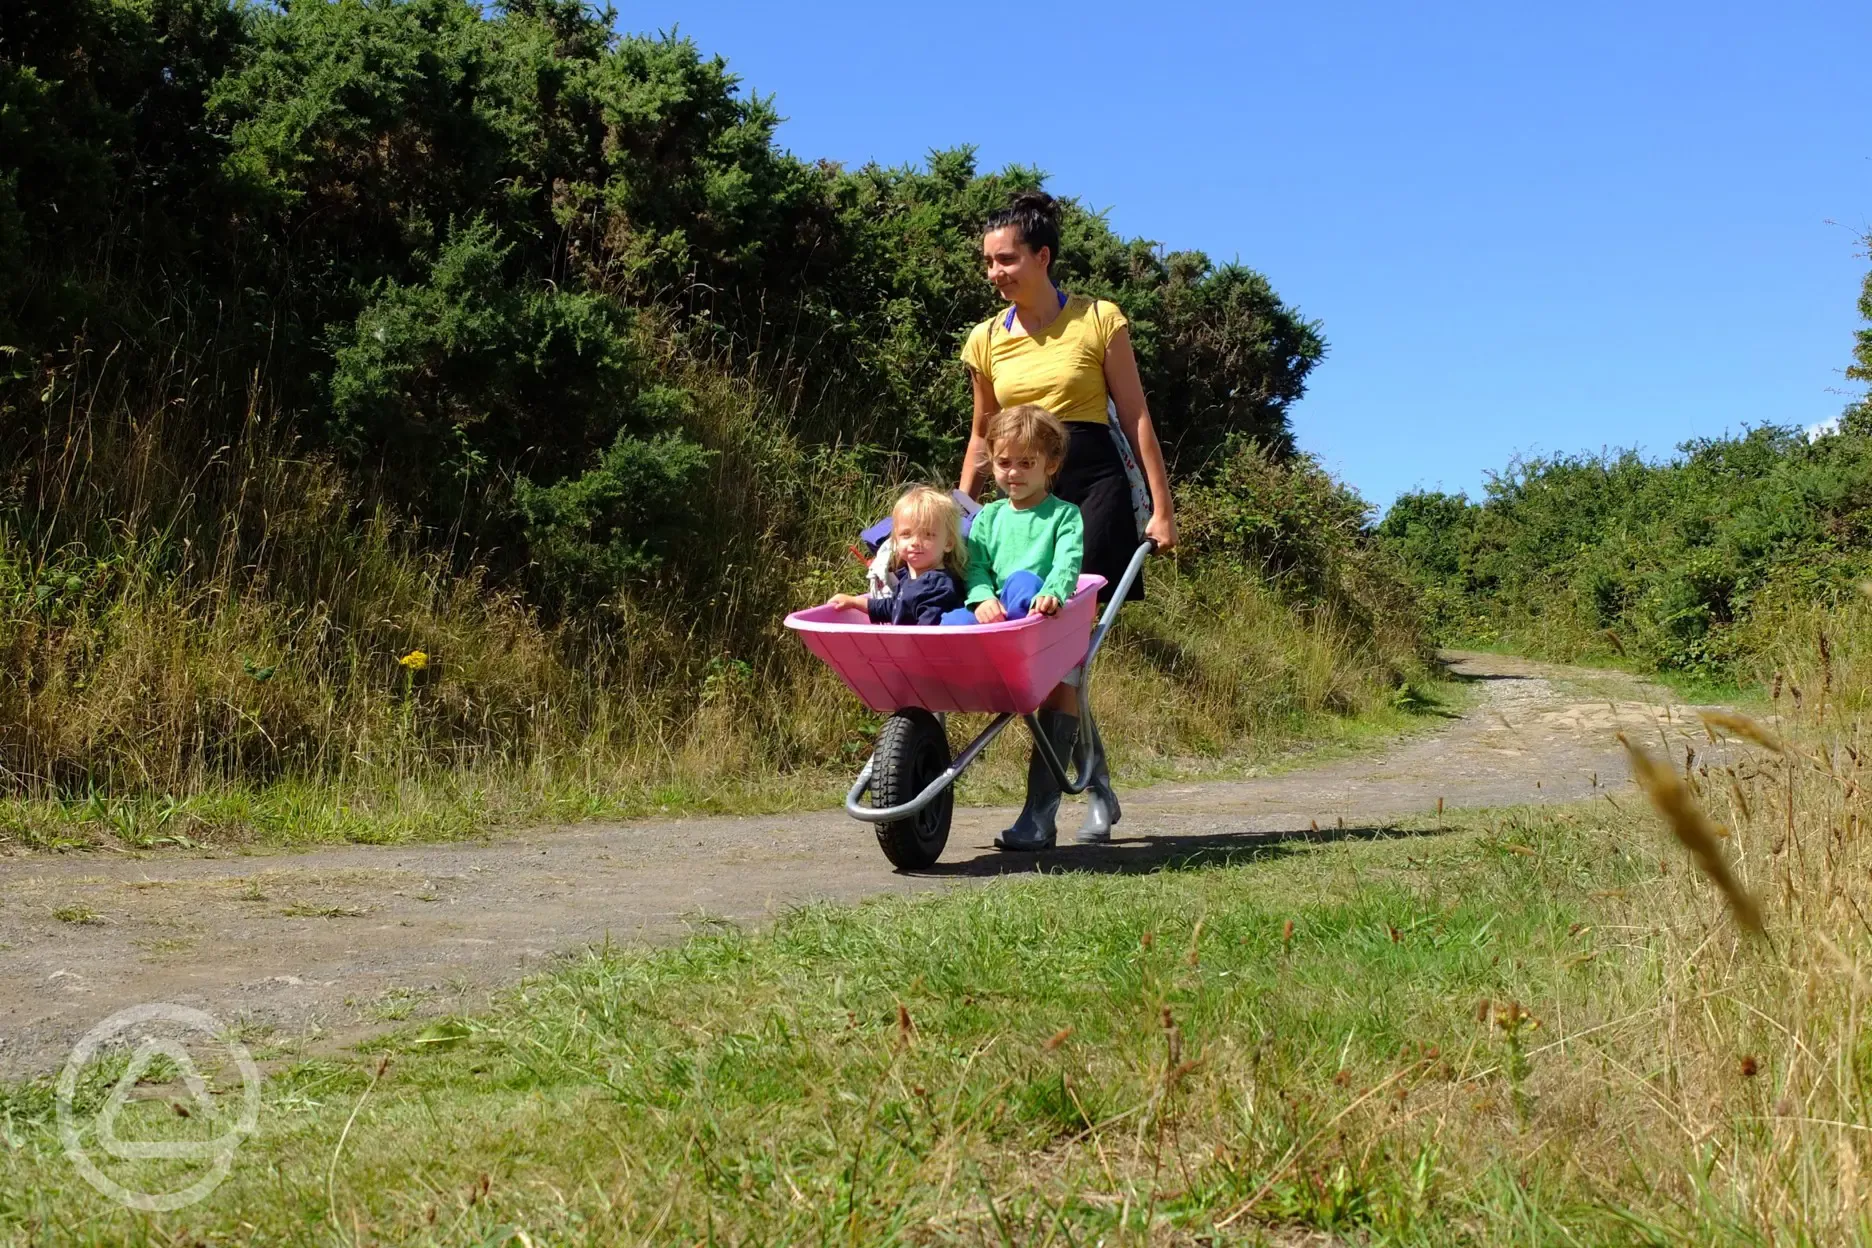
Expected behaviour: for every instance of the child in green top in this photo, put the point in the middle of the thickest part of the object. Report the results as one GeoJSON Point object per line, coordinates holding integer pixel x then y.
{"type": "Point", "coordinates": [1024, 549]}
{"type": "Point", "coordinates": [1024, 554]}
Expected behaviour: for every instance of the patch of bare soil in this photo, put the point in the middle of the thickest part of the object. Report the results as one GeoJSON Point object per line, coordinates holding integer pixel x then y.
{"type": "Point", "coordinates": [329, 945]}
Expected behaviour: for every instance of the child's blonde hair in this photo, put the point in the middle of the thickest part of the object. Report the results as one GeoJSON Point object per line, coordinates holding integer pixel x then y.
{"type": "Point", "coordinates": [927, 508]}
{"type": "Point", "coordinates": [1033, 428]}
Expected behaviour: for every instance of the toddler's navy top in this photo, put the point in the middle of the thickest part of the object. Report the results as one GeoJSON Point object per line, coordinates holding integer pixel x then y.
{"type": "Point", "coordinates": [918, 600]}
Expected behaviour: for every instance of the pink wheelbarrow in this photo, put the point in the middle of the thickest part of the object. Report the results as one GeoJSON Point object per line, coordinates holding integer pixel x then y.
{"type": "Point", "coordinates": [916, 675]}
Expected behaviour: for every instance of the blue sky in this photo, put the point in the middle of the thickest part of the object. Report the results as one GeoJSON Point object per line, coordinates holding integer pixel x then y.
{"type": "Point", "coordinates": [1525, 231]}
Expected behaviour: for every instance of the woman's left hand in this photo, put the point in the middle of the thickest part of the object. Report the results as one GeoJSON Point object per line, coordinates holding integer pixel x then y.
{"type": "Point", "coordinates": [1162, 529]}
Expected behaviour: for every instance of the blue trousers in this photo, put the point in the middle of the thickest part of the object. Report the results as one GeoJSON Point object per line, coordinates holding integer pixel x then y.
{"type": "Point", "coordinates": [1017, 595]}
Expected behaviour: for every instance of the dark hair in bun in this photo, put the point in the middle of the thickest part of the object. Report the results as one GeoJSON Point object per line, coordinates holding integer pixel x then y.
{"type": "Point", "coordinates": [1035, 217]}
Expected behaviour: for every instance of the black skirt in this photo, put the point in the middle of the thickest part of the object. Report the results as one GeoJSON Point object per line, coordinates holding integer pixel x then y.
{"type": "Point", "coordinates": [1093, 479]}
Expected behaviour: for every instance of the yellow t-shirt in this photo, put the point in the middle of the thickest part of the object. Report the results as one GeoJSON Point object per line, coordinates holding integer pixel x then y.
{"type": "Point", "coordinates": [1062, 368]}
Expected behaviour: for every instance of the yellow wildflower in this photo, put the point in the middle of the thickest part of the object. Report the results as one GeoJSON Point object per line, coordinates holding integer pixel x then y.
{"type": "Point", "coordinates": [415, 660]}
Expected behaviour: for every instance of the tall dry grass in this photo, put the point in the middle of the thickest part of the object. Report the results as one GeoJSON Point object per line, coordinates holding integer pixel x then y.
{"type": "Point", "coordinates": [1705, 1074]}
{"type": "Point", "coordinates": [192, 602]}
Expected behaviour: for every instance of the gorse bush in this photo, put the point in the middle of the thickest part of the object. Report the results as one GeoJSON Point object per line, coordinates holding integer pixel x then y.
{"type": "Point", "coordinates": [342, 328]}
{"type": "Point", "coordinates": [1283, 519]}
{"type": "Point", "coordinates": [428, 226]}
{"type": "Point", "coordinates": [1286, 523]}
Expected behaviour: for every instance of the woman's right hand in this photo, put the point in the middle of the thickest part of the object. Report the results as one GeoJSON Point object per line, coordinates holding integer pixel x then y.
{"type": "Point", "coordinates": [1162, 529]}
{"type": "Point", "coordinates": [991, 612]}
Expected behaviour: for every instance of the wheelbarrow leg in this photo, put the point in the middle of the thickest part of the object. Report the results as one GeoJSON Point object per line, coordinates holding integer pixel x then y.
{"type": "Point", "coordinates": [1065, 744]}
{"type": "Point", "coordinates": [1062, 744]}
{"type": "Point", "coordinates": [1102, 810]}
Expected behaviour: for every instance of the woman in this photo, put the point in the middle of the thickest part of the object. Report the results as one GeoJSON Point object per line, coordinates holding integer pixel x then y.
{"type": "Point", "coordinates": [1069, 354]}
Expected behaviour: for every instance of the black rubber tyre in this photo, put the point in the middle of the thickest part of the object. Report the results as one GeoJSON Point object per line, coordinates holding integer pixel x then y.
{"type": "Point", "coordinates": [912, 750]}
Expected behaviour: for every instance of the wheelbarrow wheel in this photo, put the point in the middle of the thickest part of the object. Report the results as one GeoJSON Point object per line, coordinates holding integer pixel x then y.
{"type": "Point", "coordinates": [912, 750]}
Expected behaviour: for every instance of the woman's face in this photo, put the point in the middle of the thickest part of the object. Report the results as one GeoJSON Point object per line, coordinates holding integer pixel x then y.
{"type": "Point", "coordinates": [1015, 268]}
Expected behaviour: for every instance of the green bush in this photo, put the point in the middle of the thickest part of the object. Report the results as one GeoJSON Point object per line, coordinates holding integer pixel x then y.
{"type": "Point", "coordinates": [1665, 563]}
{"type": "Point", "coordinates": [1279, 519]}
{"type": "Point", "coordinates": [468, 372]}
{"type": "Point", "coordinates": [611, 526]}
{"type": "Point", "coordinates": [416, 234]}
{"type": "Point", "coordinates": [1285, 522]}
{"type": "Point", "coordinates": [361, 197]}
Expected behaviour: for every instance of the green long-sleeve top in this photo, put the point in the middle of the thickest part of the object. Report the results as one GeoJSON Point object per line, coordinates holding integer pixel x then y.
{"type": "Point", "coordinates": [1047, 539]}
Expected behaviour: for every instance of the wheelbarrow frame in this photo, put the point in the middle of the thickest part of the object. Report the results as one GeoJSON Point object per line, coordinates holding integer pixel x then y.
{"type": "Point", "coordinates": [1088, 753]}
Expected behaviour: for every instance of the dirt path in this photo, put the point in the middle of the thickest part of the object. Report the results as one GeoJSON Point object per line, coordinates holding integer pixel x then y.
{"type": "Point", "coordinates": [331, 944]}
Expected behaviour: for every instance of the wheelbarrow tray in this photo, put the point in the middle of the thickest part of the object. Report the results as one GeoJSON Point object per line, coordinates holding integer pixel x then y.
{"type": "Point", "coordinates": [1006, 668]}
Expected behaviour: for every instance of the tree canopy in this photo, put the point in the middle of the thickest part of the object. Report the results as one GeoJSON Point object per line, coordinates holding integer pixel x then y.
{"type": "Point", "coordinates": [428, 229]}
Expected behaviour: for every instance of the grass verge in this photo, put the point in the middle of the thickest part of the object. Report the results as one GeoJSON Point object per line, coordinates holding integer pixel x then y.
{"type": "Point", "coordinates": [444, 805]}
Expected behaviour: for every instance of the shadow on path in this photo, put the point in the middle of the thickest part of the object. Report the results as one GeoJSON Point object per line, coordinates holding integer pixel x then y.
{"type": "Point", "coordinates": [1146, 854]}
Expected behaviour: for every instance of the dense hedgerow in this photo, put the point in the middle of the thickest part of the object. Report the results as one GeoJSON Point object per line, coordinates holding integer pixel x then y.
{"type": "Point", "coordinates": [1687, 565]}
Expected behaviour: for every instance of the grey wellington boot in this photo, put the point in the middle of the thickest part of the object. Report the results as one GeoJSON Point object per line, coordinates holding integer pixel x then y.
{"type": "Point", "coordinates": [1035, 828]}
{"type": "Point", "coordinates": [1101, 807]}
